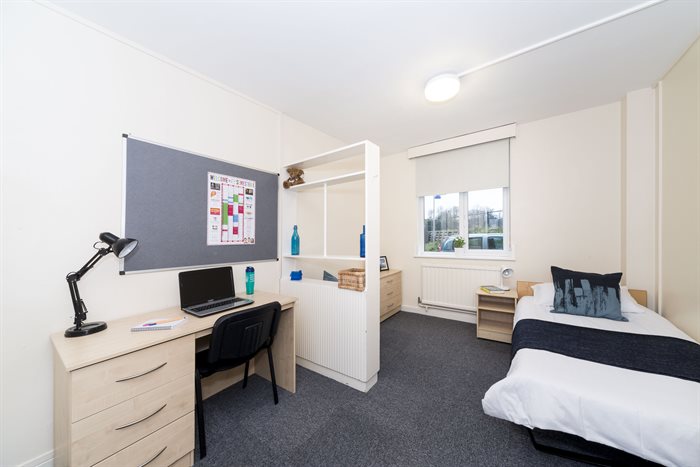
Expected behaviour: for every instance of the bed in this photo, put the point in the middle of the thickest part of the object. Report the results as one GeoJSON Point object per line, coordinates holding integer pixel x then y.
{"type": "Point", "coordinates": [652, 416]}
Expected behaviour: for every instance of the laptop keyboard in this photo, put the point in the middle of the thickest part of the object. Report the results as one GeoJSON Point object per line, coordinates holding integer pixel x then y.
{"type": "Point", "coordinates": [216, 305]}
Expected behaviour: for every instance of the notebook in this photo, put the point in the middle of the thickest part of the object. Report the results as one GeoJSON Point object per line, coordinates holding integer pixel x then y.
{"type": "Point", "coordinates": [204, 292]}
{"type": "Point", "coordinates": [159, 324]}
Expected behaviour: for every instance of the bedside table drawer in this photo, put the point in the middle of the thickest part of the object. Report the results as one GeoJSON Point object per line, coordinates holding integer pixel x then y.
{"type": "Point", "coordinates": [99, 386]}
{"type": "Point", "coordinates": [162, 448]}
{"type": "Point", "coordinates": [106, 432]}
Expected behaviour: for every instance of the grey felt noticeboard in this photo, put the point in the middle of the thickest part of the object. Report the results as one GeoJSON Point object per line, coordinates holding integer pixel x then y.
{"type": "Point", "coordinates": [165, 209]}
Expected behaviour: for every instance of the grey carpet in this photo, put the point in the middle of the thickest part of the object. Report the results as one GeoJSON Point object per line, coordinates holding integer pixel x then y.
{"type": "Point", "coordinates": [424, 410]}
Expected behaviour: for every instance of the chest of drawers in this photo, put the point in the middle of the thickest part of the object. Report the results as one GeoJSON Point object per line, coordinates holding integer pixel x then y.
{"type": "Point", "coordinates": [389, 293]}
{"type": "Point", "coordinates": [137, 407]}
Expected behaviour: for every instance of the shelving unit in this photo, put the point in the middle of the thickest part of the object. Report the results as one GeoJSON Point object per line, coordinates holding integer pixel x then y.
{"type": "Point", "coordinates": [337, 330]}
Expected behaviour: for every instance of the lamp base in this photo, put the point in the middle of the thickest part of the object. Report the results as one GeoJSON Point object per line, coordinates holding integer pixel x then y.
{"type": "Point", "coordinates": [85, 329]}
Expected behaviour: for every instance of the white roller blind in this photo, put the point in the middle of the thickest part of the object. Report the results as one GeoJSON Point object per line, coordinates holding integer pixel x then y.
{"type": "Point", "coordinates": [479, 167]}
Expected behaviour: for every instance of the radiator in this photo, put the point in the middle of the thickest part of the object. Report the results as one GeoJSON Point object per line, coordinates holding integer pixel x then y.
{"type": "Point", "coordinates": [454, 287]}
{"type": "Point", "coordinates": [331, 326]}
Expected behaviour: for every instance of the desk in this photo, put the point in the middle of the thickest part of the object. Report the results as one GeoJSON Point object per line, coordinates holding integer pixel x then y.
{"type": "Point", "coordinates": [123, 397]}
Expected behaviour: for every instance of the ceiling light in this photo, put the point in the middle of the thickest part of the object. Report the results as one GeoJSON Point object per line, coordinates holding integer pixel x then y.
{"type": "Point", "coordinates": [442, 87]}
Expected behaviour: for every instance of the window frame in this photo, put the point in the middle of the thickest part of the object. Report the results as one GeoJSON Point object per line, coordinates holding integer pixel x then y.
{"type": "Point", "coordinates": [505, 254]}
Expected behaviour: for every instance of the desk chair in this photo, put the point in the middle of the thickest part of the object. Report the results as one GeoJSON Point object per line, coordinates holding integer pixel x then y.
{"type": "Point", "coordinates": [235, 339]}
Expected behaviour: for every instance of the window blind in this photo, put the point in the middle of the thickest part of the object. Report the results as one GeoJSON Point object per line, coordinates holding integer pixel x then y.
{"type": "Point", "coordinates": [479, 167]}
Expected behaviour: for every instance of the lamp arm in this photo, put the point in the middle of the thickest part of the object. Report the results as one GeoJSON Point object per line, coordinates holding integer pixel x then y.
{"type": "Point", "coordinates": [91, 262]}
{"type": "Point", "coordinates": [78, 305]}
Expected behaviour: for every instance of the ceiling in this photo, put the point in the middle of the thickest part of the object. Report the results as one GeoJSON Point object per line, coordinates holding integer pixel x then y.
{"type": "Point", "coordinates": [356, 70]}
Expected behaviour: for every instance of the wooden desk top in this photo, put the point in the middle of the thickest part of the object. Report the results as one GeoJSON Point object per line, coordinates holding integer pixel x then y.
{"type": "Point", "coordinates": [118, 339]}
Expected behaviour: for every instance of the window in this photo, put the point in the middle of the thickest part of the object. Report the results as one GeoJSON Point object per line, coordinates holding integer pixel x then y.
{"type": "Point", "coordinates": [463, 192]}
{"type": "Point", "coordinates": [480, 217]}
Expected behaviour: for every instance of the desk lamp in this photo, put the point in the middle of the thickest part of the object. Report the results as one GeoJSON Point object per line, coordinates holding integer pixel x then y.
{"type": "Point", "coordinates": [506, 272]}
{"type": "Point", "coordinates": [121, 247]}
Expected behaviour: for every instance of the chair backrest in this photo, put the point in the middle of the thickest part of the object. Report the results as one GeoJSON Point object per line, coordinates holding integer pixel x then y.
{"type": "Point", "coordinates": [239, 336]}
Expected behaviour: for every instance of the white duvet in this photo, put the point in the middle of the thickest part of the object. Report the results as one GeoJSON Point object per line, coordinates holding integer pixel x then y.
{"type": "Point", "coordinates": [652, 416]}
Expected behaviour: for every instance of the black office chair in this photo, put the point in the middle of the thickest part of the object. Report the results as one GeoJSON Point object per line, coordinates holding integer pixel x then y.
{"type": "Point", "coordinates": [235, 339]}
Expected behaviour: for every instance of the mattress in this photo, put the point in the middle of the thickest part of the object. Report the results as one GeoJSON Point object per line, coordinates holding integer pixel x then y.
{"type": "Point", "coordinates": [652, 416]}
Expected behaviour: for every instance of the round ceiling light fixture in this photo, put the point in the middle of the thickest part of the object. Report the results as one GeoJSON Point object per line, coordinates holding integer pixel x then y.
{"type": "Point", "coordinates": [442, 87]}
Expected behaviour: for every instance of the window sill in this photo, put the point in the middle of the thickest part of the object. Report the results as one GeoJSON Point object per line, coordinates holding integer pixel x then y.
{"type": "Point", "coordinates": [505, 256]}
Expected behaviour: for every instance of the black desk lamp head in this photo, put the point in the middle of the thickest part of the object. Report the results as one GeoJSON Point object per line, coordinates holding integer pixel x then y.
{"type": "Point", "coordinates": [121, 247]}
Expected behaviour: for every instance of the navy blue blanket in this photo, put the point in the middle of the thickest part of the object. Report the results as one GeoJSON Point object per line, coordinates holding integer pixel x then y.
{"type": "Point", "coordinates": [662, 355]}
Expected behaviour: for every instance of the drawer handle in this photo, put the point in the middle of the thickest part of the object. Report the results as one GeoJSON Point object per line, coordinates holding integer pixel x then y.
{"type": "Point", "coordinates": [390, 293]}
{"type": "Point", "coordinates": [390, 282]}
{"type": "Point", "coordinates": [140, 419]}
{"type": "Point", "coordinates": [142, 374]}
{"type": "Point", "coordinates": [154, 457]}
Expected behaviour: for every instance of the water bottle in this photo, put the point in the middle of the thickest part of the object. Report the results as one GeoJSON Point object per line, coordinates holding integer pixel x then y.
{"type": "Point", "coordinates": [295, 242]}
{"type": "Point", "coordinates": [362, 243]}
{"type": "Point", "coordinates": [249, 280]}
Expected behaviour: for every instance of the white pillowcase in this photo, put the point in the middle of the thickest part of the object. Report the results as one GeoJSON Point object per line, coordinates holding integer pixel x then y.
{"type": "Point", "coordinates": [544, 295]}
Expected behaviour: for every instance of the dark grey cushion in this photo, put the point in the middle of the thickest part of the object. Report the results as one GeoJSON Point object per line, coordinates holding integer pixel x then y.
{"type": "Point", "coordinates": [587, 294]}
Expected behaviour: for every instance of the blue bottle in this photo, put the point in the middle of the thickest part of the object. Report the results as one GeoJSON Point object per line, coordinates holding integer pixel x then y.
{"type": "Point", "coordinates": [362, 243]}
{"type": "Point", "coordinates": [249, 280]}
{"type": "Point", "coordinates": [295, 242]}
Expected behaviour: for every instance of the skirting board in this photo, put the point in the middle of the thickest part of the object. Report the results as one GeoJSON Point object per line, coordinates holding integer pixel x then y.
{"type": "Point", "coordinates": [341, 378]}
{"type": "Point", "coordinates": [440, 313]}
{"type": "Point", "coordinates": [43, 460]}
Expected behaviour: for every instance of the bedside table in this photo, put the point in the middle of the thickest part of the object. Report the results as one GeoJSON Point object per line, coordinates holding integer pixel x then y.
{"type": "Point", "coordinates": [494, 315]}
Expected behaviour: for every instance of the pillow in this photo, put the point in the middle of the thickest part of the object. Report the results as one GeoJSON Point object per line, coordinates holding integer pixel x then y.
{"type": "Point", "coordinates": [587, 294]}
{"type": "Point", "coordinates": [628, 303]}
{"type": "Point", "coordinates": [544, 293]}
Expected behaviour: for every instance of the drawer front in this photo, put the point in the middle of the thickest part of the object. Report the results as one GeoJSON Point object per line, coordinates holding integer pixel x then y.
{"type": "Point", "coordinates": [167, 446]}
{"type": "Point", "coordinates": [100, 435]}
{"type": "Point", "coordinates": [390, 281]}
{"type": "Point", "coordinates": [105, 384]}
{"type": "Point", "coordinates": [390, 293]}
{"type": "Point", "coordinates": [386, 304]}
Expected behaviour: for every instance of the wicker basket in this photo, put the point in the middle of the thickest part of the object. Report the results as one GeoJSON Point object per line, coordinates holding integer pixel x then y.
{"type": "Point", "coordinates": [352, 279]}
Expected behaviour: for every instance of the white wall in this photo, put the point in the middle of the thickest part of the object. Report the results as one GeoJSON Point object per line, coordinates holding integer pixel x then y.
{"type": "Point", "coordinates": [565, 200]}
{"type": "Point", "coordinates": [69, 91]}
{"type": "Point", "coordinates": [639, 192]}
{"type": "Point", "coordinates": [679, 195]}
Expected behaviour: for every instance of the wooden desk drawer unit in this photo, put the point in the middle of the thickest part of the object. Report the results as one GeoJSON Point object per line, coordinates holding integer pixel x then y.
{"type": "Point", "coordinates": [124, 404]}
{"type": "Point", "coordinates": [96, 387]}
{"type": "Point", "coordinates": [165, 447]}
{"type": "Point", "coordinates": [390, 293]}
{"type": "Point", "coordinates": [115, 428]}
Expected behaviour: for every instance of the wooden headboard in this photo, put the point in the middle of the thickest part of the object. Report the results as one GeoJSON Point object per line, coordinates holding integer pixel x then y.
{"type": "Point", "coordinates": [524, 290]}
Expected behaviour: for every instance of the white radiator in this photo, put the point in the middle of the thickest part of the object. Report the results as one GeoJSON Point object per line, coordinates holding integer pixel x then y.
{"type": "Point", "coordinates": [454, 287]}
{"type": "Point", "coordinates": [331, 327]}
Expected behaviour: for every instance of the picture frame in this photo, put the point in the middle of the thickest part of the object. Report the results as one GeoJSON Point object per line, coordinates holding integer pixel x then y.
{"type": "Point", "coordinates": [383, 263]}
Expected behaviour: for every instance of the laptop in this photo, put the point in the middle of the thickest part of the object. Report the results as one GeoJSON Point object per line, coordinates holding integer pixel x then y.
{"type": "Point", "coordinates": [204, 292]}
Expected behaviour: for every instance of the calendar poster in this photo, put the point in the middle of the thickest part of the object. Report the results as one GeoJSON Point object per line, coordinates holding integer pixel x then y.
{"type": "Point", "coordinates": [231, 210]}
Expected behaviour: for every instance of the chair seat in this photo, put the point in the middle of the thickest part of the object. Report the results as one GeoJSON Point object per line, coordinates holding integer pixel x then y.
{"type": "Point", "coordinates": [207, 369]}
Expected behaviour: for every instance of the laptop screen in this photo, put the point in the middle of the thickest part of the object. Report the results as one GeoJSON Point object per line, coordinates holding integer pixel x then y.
{"type": "Point", "coordinates": [205, 285]}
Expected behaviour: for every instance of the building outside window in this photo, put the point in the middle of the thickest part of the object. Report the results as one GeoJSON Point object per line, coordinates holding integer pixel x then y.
{"type": "Point", "coordinates": [480, 217]}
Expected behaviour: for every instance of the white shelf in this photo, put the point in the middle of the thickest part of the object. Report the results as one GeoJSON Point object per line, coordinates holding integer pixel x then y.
{"type": "Point", "coordinates": [326, 257]}
{"type": "Point", "coordinates": [345, 178]}
{"type": "Point", "coordinates": [332, 156]}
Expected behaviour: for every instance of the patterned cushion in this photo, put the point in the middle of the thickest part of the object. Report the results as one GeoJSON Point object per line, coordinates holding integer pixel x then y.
{"type": "Point", "coordinates": [587, 294]}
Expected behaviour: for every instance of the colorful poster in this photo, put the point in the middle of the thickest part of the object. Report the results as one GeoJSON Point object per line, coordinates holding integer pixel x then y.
{"type": "Point", "coordinates": [231, 210]}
